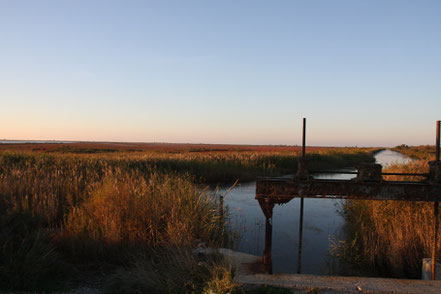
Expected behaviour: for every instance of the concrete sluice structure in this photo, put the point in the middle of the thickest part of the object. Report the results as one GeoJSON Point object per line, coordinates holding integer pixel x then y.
{"type": "Point", "coordinates": [368, 185]}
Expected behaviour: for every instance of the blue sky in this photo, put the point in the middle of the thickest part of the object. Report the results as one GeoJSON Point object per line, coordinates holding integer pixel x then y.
{"type": "Point", "coordinates": [364, 73]}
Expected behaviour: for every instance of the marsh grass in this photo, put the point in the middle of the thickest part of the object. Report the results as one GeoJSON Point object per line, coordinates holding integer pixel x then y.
{"type": "Point", "coordinates": [424, 152]}
{"type": "Point", "coordinates": [78, 209]}
{"type": "Point", "coordinates": [89, 211]}
{"type": "Point", "coordinates": [131, 210]}
{"type": "Point", "coordinates": [390, 238]}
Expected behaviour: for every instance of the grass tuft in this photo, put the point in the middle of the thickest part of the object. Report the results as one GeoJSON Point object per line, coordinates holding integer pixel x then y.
{"type": "Point", "coordinates": [29, 260]}
{"type": "Point", "coordinates": [173, 271]}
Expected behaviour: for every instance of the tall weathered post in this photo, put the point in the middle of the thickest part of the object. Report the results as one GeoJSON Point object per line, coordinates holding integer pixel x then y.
{"type": "Point", "coordinates": [301, 173]}
{"type": "Point", "coordinates": [304, 139]}
{"type": "Point", "coordinates": [436, 177]}
{"type": "Point", "coordinates": [438, 139]}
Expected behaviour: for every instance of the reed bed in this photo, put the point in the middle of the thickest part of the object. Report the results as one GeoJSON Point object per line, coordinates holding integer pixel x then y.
{"type": "Point", "coordinates": [390, 238]}
{"type": "Point", "coordinates": [425, 152]}
{"type": "Point", "coordinates": [92, 210]}
{"type": "Point", "coordinates": [62, 212]}
{"type": "Point", "coordinates": [206, 167]}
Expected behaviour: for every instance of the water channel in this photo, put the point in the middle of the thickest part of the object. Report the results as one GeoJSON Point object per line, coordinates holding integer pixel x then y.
{"type": "Point", "coordinates": [322, 223]}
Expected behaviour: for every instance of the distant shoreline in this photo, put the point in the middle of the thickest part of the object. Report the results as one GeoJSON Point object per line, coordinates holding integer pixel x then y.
{"type": "Point", "coordinates": [50, 145]}
{"type": "Point", "coordinates": [35, 142]}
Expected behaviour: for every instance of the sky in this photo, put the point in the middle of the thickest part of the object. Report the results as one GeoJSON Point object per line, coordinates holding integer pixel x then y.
{"type": "Point", "coordinates": [363, 73]}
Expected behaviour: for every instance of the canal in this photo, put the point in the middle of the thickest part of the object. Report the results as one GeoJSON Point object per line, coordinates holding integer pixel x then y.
{"type": "Point", "coordinates": [322, 225]}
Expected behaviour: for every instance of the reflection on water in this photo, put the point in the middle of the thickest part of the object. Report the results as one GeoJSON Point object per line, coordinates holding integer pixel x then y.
{"type": "Point", "coordinates": [321, 222]}
{"type": "Point", "coordinates": [387, 157]}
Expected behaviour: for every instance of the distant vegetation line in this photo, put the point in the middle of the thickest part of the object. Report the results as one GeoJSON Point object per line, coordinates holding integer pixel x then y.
{"type": "Point", "coordinates": [208, 167]}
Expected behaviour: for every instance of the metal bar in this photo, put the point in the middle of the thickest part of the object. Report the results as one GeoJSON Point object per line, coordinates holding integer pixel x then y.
{"type": "Point", "coordinates": [283, 190]}
{"type": "Point", "coordinates": [437, 139]}
{"type": "Point", "coordinates": [436, 206]}
{"type": "Point", "coordinates": [299, 255]}
{"type": "Point", "coordinates": [304, 139]}
{"type": "Point", "coordinates": [354, 173]}
{"type": "Point", "coordinates": [435, 237]}
{"type": "Point", "coordinates": [332, 172]}
{"type": "Point", "coordinates": [406, 174]}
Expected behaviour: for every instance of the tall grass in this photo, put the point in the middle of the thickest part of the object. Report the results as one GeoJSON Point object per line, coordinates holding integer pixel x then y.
{"type": "Point", "coordinates": [83, 208]}
{"type": "Point", "coordinates": [204, 166]}
{"type": "Point", "coordinates": [92, 210]}
{"type": "Point", "coordinates": [134, 210]}
{"type": "Point", "coordinates": [390, 238]}
{"type": "Point", "coordinates": [425, 152]}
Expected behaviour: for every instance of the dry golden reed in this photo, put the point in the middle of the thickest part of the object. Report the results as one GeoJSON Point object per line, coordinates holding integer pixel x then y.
{"type": "Point", "coordinates": [393, 236]}
{"type": "Point", "coordinates": [106, 207]}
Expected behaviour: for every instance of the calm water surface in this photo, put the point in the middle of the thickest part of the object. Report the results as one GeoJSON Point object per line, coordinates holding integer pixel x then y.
{"type": "Point", "coordinates": [322, 222]}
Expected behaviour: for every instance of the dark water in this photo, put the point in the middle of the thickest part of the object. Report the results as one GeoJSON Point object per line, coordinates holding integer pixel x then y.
{"type": "Point", "coordinates": [321, 226]}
